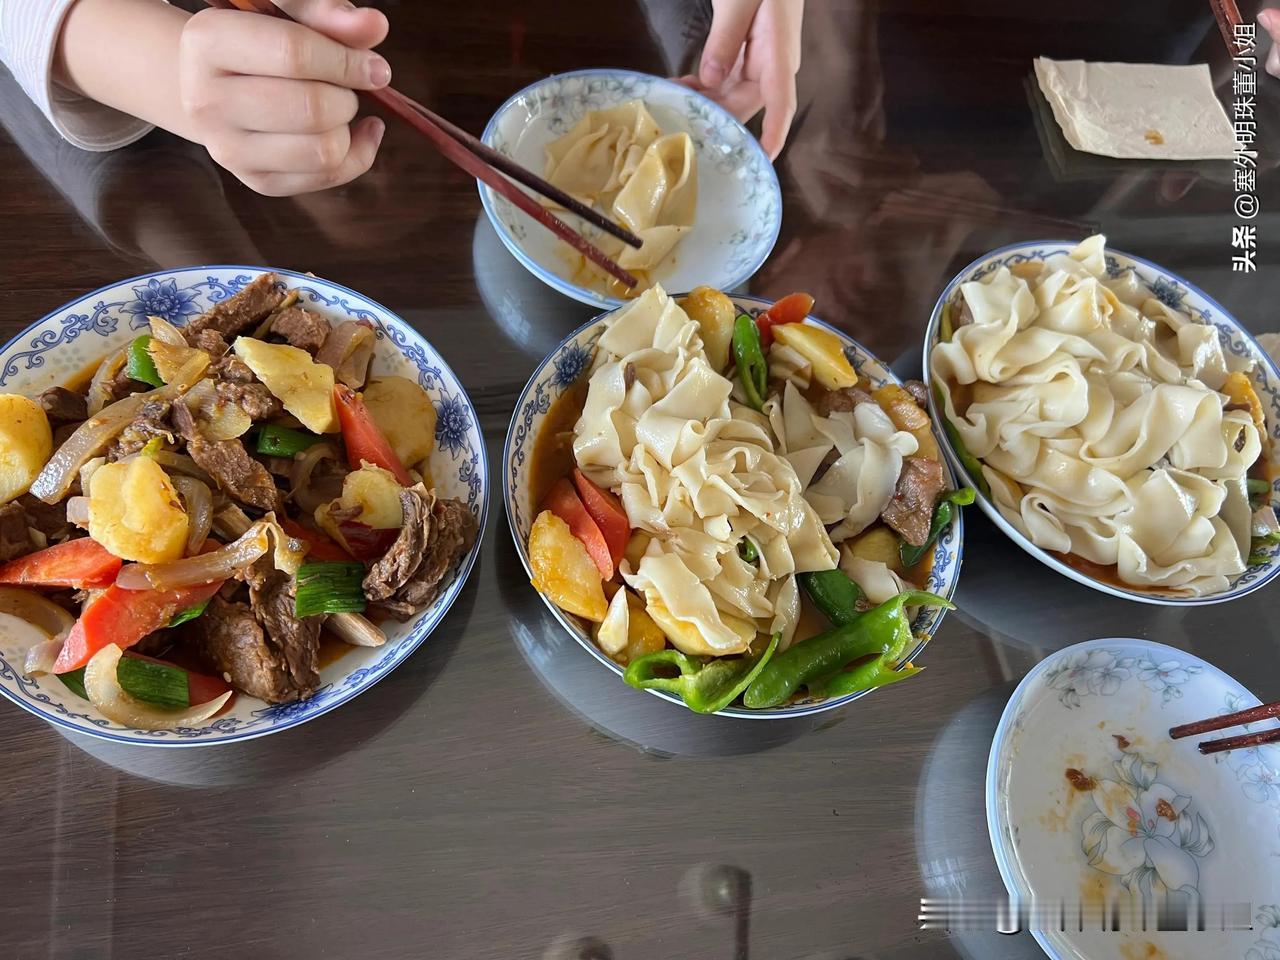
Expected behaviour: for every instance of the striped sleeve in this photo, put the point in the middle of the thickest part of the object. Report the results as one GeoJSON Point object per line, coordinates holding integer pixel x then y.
{"type": "Point", "coordinates": [28, 37]}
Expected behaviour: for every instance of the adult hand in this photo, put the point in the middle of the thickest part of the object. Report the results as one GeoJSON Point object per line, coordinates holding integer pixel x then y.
{"type": "Point", "coordinates": [273, 101]}
{"type": "Point", "coordinates": [1269, 20]}
{"type": "Point", "coordinates": [750, 63]}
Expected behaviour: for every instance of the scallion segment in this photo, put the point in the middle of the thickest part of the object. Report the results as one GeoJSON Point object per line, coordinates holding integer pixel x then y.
{"type": "Point", "coordinates": [329, 587]}
{"type": "Point", "coordinates": [148, 680]}
{"type": "Point", "coordinates": [189, 614]}
{"type": "Point", "coordinates": [140, 366]}
{"type": "Point", "coordinates": [275, 441]}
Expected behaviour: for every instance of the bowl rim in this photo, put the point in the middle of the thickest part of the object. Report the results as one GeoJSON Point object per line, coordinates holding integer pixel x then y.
{"type": "Point", "coordinates": [740, 713]}
{"type": "Point", "coordinates": [989, 508]}
{"type": "Point", "coordinates": [417, 634]}
{"type": "Point", "coordinates": [575, 291]}
{"type": "Point", "coordinates": [1005, 855]}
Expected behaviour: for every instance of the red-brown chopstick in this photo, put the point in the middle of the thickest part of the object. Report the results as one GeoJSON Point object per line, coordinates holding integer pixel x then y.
{"type": "Point", "coordinates": [1228, 16]}
{"type": "Point", "coordinates": [1266, 711]}
{"type": "Point", "coordinates": [458, 152]}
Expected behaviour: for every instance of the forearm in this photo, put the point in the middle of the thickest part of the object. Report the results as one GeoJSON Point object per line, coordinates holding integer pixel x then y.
{"type": "Point", "coordinates": [124, 53]}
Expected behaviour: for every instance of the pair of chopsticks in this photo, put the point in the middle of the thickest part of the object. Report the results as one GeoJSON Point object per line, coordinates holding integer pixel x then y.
{"type": "Point", "coordinates": [1266, 711]}
{"type": "Point", "coordinates": [483, 163]}
{"type": "Point", "coordinates": [1228, 16]}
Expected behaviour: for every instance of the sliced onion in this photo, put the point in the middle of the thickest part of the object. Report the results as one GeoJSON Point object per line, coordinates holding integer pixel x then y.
{"type": "Point", "coordinates": [42, 656]}
{"type": "Point", "coordinates": [78, 511]}
{"type": "Point", "coordinates": [1264, 522]}
{"type": "Point", "coordinates": [181, 463]}
{"type": "Point", "coordinates": [98, 395]}
{"type": "Point", "coordinates": [348, 349]}
{"type": "Point", "coordinates": [304, 466]}
{"type": "Point", "coordinates": [231, 521]}
{"type": "Point", "coordinates": [105, 693]}
{"type": "Point", "coordinates": [94, 434]}
{"type": "Point", "coordinates": [88, 470]}
{"type": "Point", "coordinates": [37, 610]}
{"type": "Point", "coordinates": [218, 419]}
{"type": "Point", "coordinates": [170, 359]}
{"type": "Point", "coordinates": [355, 630]}
{"type": "Point", "coordinates": [165, 332]}
{"type": "Point", "coordinates": [198, 501]}
{"type": "Point", "coordinates": [221, 564]}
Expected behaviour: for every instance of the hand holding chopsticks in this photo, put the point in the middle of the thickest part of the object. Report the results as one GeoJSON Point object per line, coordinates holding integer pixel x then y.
{"type": "Point", "coordinates": [486, 165]}
{"type": "Point", "coordinates": [1266, 711]}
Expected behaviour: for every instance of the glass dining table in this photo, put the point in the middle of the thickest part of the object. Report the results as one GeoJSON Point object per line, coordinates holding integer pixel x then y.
{"type": "Point", "coordinates": [502, 794]}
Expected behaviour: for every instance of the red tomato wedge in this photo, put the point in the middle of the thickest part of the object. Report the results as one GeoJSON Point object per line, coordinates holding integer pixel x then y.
{"type": "Point", "coordinates": [83, 563]}
{"type": "Point", "coordinates": [124, 617]}
{"type": "Point", "coordinates": [318, 545]}
{"type": "Point", "coordinates": [365, 542]}
{"type": "Point", "coordinates": [606, 510]}
{"type": "Point", "coordinates": [565, 503]}
{"type": "Point", "coordinates": [792, 308]}
{"type": "Point", "coordinates": [363, 439]}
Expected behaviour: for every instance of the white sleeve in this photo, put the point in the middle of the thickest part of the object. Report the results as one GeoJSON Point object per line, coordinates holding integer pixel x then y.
{"type": "Point", "coordinates": [28, 36]}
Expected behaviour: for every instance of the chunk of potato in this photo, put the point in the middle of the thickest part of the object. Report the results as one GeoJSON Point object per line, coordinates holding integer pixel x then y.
{"type": "Point", "coordinates": [636, 547]}
{"type": "Point", "coordinates": [901, 407]}
{"type": "Point", "coordinates": [643, 635]}
{"type": "Point", "coordinates": [26, 443]}
{"type": "Point", "coordinates": [405, 415]}
{"type": "Point", "coordinates": [135, 512]}
{"type": "Point", "coordinates": [1241, 393]}
{"type": "Point", "coordinates": [169, 358]}
{"type": "Point", "coordinates": [715, 314]}
{"type": "Point", "coordinates": [878, 543]}
{"type": "Point", "coordinates": [563, 571]}
{"type": "Point", "coordinates": [686, 636]}
{"type": "Point", "coordinates": [302, 385]}
{"type": "Point", "coordinates": [823, 349]}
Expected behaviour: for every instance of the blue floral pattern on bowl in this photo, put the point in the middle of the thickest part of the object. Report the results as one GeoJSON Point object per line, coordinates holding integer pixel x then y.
{"type": "Point", "coordinates": [67, 340]}
{"type": "Point", "coordinates": [739, 200]}
{"type": "Point", "coordinates": [1176, 293]}
{"type": "Point", "coordinates": [553, 377]}
{"type": "Point", "coordinates": [1144, 816]}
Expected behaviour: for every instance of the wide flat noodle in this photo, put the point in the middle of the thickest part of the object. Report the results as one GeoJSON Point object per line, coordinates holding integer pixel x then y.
{"type": "Point", "coordinates": [698, 472]}
{"type": "Point", "coordinates": [1094, 409]}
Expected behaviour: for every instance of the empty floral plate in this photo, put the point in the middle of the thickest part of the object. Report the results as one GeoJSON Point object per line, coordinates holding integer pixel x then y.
{"type": "Point", "coordinates": [739, 209]}
{"type": "Point", "coordinates": [63, 344]}
{"type": "Point", "coordinates": [1090, 805]}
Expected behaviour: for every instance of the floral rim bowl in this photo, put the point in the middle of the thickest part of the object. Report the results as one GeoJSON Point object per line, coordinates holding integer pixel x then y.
{"type": "Point", "coordinates": [1139, 816]}
{"type": "Point", "coordinates": [1176, 293]}
{"type": "Point", "coordinates": [572, 360]}
{"type": "Point", "coordinates": [739, 209]}
{"type": "Point", "coordinates": [61, 345]}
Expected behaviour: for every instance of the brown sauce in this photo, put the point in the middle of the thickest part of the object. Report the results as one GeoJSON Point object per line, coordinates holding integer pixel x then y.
{"type": "Point", "coordinates": [1121, 741]}
{"type": "Point", "coordinates": [553, 447]}
{"type": "Point", "coordinates": [1109, 574]}
{"type": "Point", "coordinates": [1080, 781]}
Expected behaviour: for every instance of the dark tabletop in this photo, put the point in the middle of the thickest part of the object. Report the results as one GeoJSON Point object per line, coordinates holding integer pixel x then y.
{"type": "Point", "coordinates": [501, 795]}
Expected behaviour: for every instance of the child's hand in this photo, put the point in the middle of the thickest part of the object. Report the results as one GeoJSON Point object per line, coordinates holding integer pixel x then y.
{"type": "Point", "coordinates": [273, 101]}
{"type": "Point", "coordinates": [750, 63]}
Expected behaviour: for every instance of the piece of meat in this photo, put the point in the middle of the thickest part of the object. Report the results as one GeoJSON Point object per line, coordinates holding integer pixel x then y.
{"type": "Point", "coordinates": [238, 312]}
{"type": "Point", "coordinates": [152, 421]}
{"type": "Point", "coordinates": [919, 393]}
{"type": "Point", "coordinates": [15, 533]}
{"type": "Point", "coordinates": [154, 644]}
{"type": "Point", "coordinates": [48, 519]}
{"type": "Point", "coordinates": [910, 509]}
{"type": "Point", "coordinates": [301, 328]}
{"type": "Point", "coordinates": [63, 406]}
{"type": "Point", "coordinates": [435, 533]}
{"type": "Point", "coordinates": [272, 597]}
{"type": "Point", "coordinates": [210, 341]}
{"type": "Point", "coordinates": [253, 398]}
{"type": "Point", "coordinates": [121, 385]}
{"type": "Point", "coordinates": [841, 401]}
{"type": "Point", "coordinates": [231, 369]}
{"type": "Point", "coordinates": [231, 641]}
{"type": "Point", "coordinates": [393, 570]}
{"type": "Point", "coordinates": [230, 465]}
{"type": "Point", "coordinates": [453, 532]}
{"type": "Point", "coordinates": [961, 315]}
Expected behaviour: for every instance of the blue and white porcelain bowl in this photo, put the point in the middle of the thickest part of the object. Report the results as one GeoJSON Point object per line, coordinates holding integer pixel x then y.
{"type": "Point", "coordinates": [739, 201]}
{"type": "Point", "coordinates": [1141, 816]}
{"type": "Point", "coordinates": [1178, 294]}
{"type": "Point", "coordinates": [571, 361]}
{"type": "Point", "coordinates": [63, 344]}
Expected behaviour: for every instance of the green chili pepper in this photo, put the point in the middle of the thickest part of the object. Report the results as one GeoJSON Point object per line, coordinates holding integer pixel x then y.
{"type": "Point", "coordinates": [883, 631]}
{"type": "Point", "coordinates": [705, 687]}
{"type": "Point", "coordinates": [1259, 492]}
{"type": "Point", "coordinates": [277, 441]}
{"type": "Point", "coordinates": [834, 594]}
{"type": "Point", "coordinates": [945, 328]}
{"type": "Point", "coordinates": [971, 464]}
{"type": "Point", "coordinates": [865, 676]}
{"type": "Point", "coordinates": [753, 369]}
{"type": "Point", "coordinates": [1258, 545]}
{"type": "Point", "coordinates": [140, 366]}
{"type": "Point", "coordinates": [747, 550]}
{"type": "Point", "coordinates": [943, 511]}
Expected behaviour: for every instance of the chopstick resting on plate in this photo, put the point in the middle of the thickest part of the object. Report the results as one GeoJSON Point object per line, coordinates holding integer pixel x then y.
{"type": "Point", "coordinates": [1267, 711]}
{"type": "Point", "coordinates": [484, 163]}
